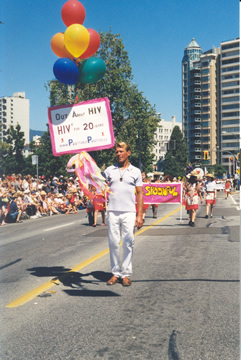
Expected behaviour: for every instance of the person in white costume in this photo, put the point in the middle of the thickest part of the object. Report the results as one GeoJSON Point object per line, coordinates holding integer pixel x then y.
{"type": "Point", "coordinates": [124, 180]}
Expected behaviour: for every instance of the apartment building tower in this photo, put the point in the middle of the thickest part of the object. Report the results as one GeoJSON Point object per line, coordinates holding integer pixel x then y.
{"type": "Point", "coordinates": [14, 110]}
{"type": "Point", "coordinates": [210, 93]}
{"type": "Point", "coordinates": [230, 100]}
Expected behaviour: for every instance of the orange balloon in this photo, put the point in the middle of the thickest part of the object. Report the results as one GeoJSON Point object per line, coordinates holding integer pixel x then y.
{"type": "Point", "coordinates": [58, 47]}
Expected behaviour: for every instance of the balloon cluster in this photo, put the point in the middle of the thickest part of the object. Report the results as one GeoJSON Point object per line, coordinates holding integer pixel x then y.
{"type": "Point", "coordinates": [75, 48]}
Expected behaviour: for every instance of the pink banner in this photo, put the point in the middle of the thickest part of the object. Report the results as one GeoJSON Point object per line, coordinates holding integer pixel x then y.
{"type": "Point", "coordinates": [162, 193]}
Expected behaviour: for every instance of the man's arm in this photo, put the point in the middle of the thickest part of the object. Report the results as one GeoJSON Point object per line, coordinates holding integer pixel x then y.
{"type": "Point", "coordinates": [139, 198]}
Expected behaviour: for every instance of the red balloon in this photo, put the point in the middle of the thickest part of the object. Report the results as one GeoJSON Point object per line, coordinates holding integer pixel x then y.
{"type": "Point", "coordinates": [73, 12]}
{"type": "Point", "coordinates": [93, 44]}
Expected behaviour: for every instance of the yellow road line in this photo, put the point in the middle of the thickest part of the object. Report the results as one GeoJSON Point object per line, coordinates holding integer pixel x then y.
{"type": "Point", "coordinates": [41, 289]}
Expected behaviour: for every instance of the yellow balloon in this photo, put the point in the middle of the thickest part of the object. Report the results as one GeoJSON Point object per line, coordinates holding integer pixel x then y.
{"type": "Point", "coordinates": [76, 39]}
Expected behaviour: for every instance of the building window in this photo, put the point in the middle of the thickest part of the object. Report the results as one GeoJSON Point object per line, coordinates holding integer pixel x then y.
{"type": "Point", "coordinates": [205, 78]}
{"type": "Point", "coordinates": [205, 86]}
{"type": "Point", "coordinates": [230, 68]}
{"type": "Point", "coordinates": [206, 123]}
{"type": "Point", "coordinates": [231, 91]}
{"type": "Point", "coordinates": [229, 114]}
{"type": "Point", "coordinates": [230, 122]}
{"type": "Point", "coordinates": [230, 53]}
{"type": "Point", "coordinates": [230, 83]}
{"type": "Point", "coordinates": [231, 106]}
{"type": "Point", "coordinates": [230, 61]}
{"type": "Point", "coordinates": [205, 131]}
{"type": "Point", "coordinates": [205, 71]}
{"type": "Point", "coordinates": [230, 46]}
{"type": "Point", "coordinates": [230, 76]}
{"type": "Point", "coordinates": [230, 145]}
{"type": "Point", "coordinates": [230, 99]}
{"type": "Point", "coordinates": [206, 108]}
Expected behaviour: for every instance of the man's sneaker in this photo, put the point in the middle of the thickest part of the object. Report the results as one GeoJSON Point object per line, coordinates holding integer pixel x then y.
{"type": "Point", "coordinates": [206, 217]}
{"type": "Point", "coordinates": [33, 217]}
{"type": "Point", "coordinates": [192, 224]}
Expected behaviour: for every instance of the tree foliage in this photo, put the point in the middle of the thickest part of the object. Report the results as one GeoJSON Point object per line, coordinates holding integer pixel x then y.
{"type": "Point", "coordinates": [15, 161]}
{"type": "Point", "coordinates": [176, 157]}
{"type": "Point", "coordinates": [217, 170]}
{"type": "Point", "coordinates": [134, 119]}
{"type": "Point", "coordinates": [48, 164]}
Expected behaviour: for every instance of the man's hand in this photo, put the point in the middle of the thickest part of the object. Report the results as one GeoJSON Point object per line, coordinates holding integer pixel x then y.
{"type": "Point", "coordinates": [139, 221]}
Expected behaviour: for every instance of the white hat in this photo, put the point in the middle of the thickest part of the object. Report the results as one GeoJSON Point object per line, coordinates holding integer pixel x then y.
{"type": "Point", "coordinates": [26, 191]}
{"type": "Point", "coordinates": [55, 178]}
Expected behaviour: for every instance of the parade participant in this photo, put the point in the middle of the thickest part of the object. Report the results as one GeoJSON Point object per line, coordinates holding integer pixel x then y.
{"type": "Point", "coordinates": [99, 202]}
{"type": "Point", "coordinates": [227, 188]}
{"type": "Point", "coordinates": [123, 179]}
{"type": "Point", "coordinates": [210, 194]}
{"type": "Point", "coordinates": [145, 206]}
{"type": "Point", "coordinates": [192, 193]}
{"type": "Point", "coordinates": [72, 199]}
{"type": "Point", "coordinates": [156, 179]}
{"type": "Point", "coordinates": [90, 208]}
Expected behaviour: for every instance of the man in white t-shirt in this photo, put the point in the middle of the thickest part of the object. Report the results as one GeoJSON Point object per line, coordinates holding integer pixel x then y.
{"type": "Point", "coordinates": [124, 180]}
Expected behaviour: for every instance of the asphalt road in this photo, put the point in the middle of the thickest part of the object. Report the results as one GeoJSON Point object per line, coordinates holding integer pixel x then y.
{"type": "Point", "coordinates": [183, 302]}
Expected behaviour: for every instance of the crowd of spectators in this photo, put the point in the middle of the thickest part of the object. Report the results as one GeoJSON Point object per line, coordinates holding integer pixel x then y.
{"type": "Point", "coordinates": [26, 197]}
{"type": "Point", "coordinates": [29, 197]}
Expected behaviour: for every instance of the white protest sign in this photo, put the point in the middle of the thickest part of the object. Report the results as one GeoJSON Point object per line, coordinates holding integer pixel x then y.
{"type": "Point", "coordinates": [85, 126]}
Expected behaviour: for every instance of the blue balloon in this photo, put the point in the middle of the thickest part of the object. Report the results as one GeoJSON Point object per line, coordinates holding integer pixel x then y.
{"type": "Point", "coordinates": [91, 70]}
{"type": "Point", "coordinates": [66, 71]}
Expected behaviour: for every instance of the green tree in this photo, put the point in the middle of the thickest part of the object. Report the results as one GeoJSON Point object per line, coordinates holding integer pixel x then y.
{"type": "Point", "coordinates": [217, 170]}
{"type": "Point", "coordinates": [48, 164]}
{"type": "Point", "coordinates": [176, 157]}
{"type": "Point", "coordinates": [16, 141]}
{"type": "Point", "coordinates": [4, 150]}
{"type": "Point", "coordinates": [134, 119]}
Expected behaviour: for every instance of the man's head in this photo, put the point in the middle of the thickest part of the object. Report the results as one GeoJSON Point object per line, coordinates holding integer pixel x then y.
{"type": "Point", "coordinates": [122, 151]}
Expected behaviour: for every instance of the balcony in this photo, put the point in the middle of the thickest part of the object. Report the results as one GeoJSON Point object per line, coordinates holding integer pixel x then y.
{"type": "Point", "coordinates": [197, 149]}
{"type": "Point", "coordinates": [197, 119]}
{"type": "Point", "coordinates": [197, 127]}
{"type": "Point", "coordinates": [197, 90]}
{"type": "Point", "coordinates": [197, 142]}
{"type": "Point", "coordinates": [198, 157]}
{"type": "Point", "coordinates": [197, 135]}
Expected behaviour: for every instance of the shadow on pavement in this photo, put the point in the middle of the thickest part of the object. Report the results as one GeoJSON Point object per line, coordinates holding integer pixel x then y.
{"type": "Point", "coordinates": [69, 278]}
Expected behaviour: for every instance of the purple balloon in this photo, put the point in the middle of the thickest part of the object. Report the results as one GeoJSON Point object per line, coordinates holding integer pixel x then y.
{"type": "Point", "coordinates": [66, 71]}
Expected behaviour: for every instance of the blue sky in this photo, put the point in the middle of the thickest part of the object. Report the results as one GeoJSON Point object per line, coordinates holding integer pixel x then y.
{"type": "Point", "coordinates": [154, 32]}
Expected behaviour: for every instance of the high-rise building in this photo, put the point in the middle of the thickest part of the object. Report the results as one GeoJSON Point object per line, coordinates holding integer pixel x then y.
{"type": "Point", "coordinates": [14, 110]}
{"type": "Point", "coordinates": [210, 83]}
{"type": "Point", "coordinates": [230, 100]}
{"type": "Point", "coordinates": [191, 100]}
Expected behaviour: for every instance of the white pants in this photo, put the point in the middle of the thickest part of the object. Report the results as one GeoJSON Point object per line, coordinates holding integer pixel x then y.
{"type": "Point", "coordinates": [124, 221]}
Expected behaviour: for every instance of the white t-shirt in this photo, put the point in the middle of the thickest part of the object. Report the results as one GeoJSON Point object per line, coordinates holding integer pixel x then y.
{"type": "Point", "coordinates": [210, 186]}
{"type": "Point", "coordinates": [122, 197]}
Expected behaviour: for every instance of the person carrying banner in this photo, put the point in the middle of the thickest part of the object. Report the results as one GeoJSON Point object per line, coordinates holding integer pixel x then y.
{"type": "Point", "coordinates": [123, 179]}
